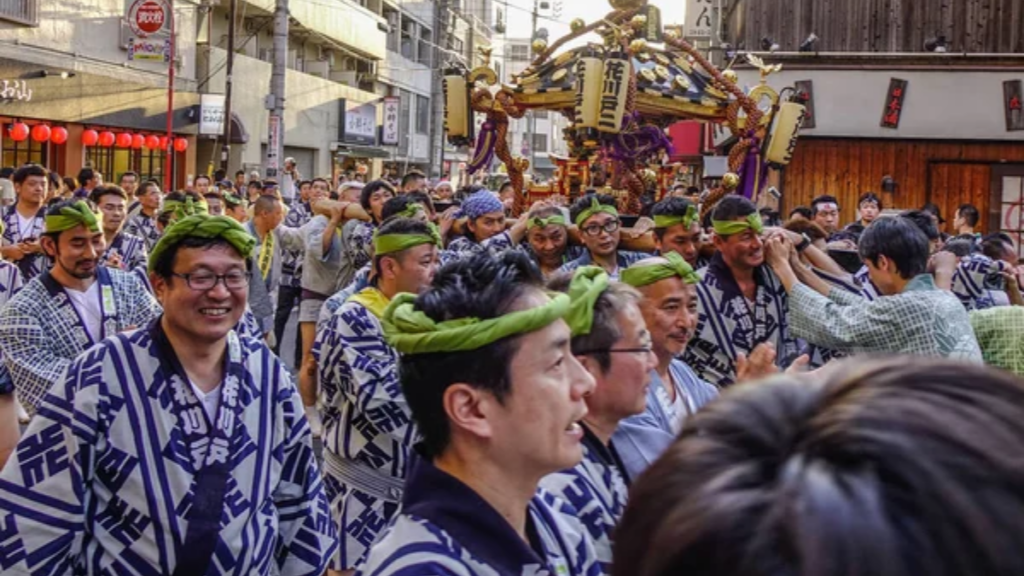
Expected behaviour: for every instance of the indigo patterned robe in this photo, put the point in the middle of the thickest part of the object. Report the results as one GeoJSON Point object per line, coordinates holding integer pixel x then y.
{"type": "Point", "coordinates": [132, 250]}
{"type": "Point", "coordinates": [728, 325]}
{"type": "Point", "coordinates": [623, 260]}
{"type": "Point", "coordinates": [41, 332]}
{"type": "Point", "coordinates": [31, 265]}
{"type": "Point", "coordinates": [144, 227]}
{"type": "Point", "coordinates": [291, 259]}
{"type": "Point", "coordinates": [597, 489]}
{"type": "Point", "coordinates": [447, 529]}
{"type": "Point", "coordinates": [368, 431]}
{"type": "Point", "coordinates": [105, 477]}
{"type": "Point", "coordinates": [10, 284]}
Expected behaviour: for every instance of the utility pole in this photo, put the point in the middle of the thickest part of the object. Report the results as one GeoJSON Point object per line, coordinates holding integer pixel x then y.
{"type": "Point", "coordinates": [169, 151]}
{"type": "Point", "coordinates": [437, 136]}
{"type": "Point", "coordinates": [225, 150]}
{"type": "Point", "coordinates": [533, 113]}
{"type": "Point", "coordinates": [275, 101]}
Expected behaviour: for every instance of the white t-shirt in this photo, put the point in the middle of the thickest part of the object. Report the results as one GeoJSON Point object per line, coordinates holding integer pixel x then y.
{"type": "Point", "coordinates": [677, 410]}
{"type": "Point", "coordinates": [89, 308]}
{"type": "Point", "coordinates": [24, 225]}
{"type": "Point", "coordinates": [210, 401]}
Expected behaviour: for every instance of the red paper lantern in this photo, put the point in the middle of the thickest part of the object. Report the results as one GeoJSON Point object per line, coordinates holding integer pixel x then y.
{"type": "Point", "coordinates": [19, 132]}
{"type": "Point", "coordinates": [138, 140]}
{"type": "Point", "coordinates": [124, 140]}
{"type": "Point", "coordinates": [40, 132]}
{"type": "Point", "coordinates": [107, 139]}
{"type": "Point", "coordinates": [163, 142]}
{"type": "Point", "coordinates": [152, 142]}
{"type": "Point", "coordinates": [59, 135]}
{"type": "Point", "coordinates": [90, 137]}
{"type": "Point", "coordinates": [180, 144]}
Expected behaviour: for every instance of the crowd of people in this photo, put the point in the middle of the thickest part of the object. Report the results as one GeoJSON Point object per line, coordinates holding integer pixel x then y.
{"type": "Point", "coordinates": [550, 393]}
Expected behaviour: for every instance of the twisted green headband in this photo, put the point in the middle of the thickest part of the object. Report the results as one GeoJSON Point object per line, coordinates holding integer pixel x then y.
{"type": "Point", "coordinates": [182, 209]}
{"type": "Point", "coordinates": [203, 226]}
{"type": "Point", "coordinates": [73, 215]}
{"type": "Point", "coordinates": [730, 227]}
{"type": "Point", "coordinates": [687, 220]}
{"type": "Point", "coordinates": [412, 332]}
{"type": "Point", "coordinates": [640, 275]}
{"type": "Point", "coordinates": [390, 243]}
{"type": "Point", "coordinates": [542, 222]}
{"type": "Point", "coordinates": [595, 208]}
{"type": "Point", "coordinates": [412, 210]}
{"type": "Point", "coordinates": [588, 283]}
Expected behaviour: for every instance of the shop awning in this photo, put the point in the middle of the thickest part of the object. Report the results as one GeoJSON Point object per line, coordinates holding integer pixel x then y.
{"type": "Point", "coordinates": [351, 151]}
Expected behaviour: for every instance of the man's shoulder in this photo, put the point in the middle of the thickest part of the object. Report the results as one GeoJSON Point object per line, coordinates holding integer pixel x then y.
{"type": "Point", "coordinates": [32, 297]}
{"type": "Point", "coordinates": [415, 546]}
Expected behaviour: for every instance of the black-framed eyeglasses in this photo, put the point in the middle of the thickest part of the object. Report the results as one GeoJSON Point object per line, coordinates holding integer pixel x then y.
{"type": "Point", "coordinates": [596, 229]}
{"type": "Point", "coordinates": [204, 281]}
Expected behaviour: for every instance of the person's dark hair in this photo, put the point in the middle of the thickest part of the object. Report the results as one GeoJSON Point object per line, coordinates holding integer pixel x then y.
{"type": "Point", "coordinates": [264, 204]}
{"type": "Point", "coordinates": [399, 204]}
{"type": "Point", "coordinates": [54, 180]}
{"type": "Point", "coordinates": [306, 183]}
{"type": "Point", "coordinates": [163, 267]}
{"type": "Point", "coordinates": [995, 245]}
{"type": "Point", "coordinates": [239, 173]}
{"type": "Point", "coordinates": [890, 467]}
{"type": "Point", "coordinates": [605, 329]}
{"type": "Point", "coordinates": [399, 225]}
{"type": "Point", "coordinates": [813, 230]}
{"type": "Point", "coordinates": [969, 213]}
{"type": "Point", "coordinates": [318, 179]}
{"type": "Point", "coordinates": [933, 209]}
{"type": "Point", "coordinates": [823, 199]}
{"type": "Point", "coordinates": [107, 190]}
{"type": "Point", "coordinates": [368, 190]}
{"type": "Point", "coordinates": [959, 246]}
{"type": "Point", "coordinates": [505, 184]}
{"type": "Point", "coordinates": [22, 174]}
{"type": "Point", "coordinates": [671, 206]}
{"type": "Point", "coordinates": [219, 174]}
{"type": "Point", "coordinates": [483, 287]}
{"type": "Point", "coordinates": [583, 202]}
{"type": "Point", "coordinates": [412, 176]}
{"type": "Point", "coordinates": [6, 172]}
{"type": "Point", "coordinates": [732, 207]}
{"type": "Point", "coordinates": [802, 211]}
{"type": "Point", "coordinates": [899, 240]}
{"type": "Point", "coordinates": [422, 198]}
{"type": "Point", "coordinates": [85, 174]}
{"type": "Point", "coordinates": [70, 183]}
{"type": "Point", "coordinates": [53, 209]}
{"type": "Point", "coordinates": [202, 177]}
{"type": "Point", "coordinates": [128, 173]}
{"type": "Point", "coordinates": [870, 197]}
{"type": "Point", "coordinates": [692, 191]}
{"type": "Point", "coordinates": [145, 186]}
{"type": "Point", "coordinates": [924, 222]}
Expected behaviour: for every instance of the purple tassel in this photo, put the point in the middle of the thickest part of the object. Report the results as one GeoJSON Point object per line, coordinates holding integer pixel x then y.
{"type": "Point", "coordinates": [485, 142]}
{"type": "Point", "coordinates": [750, 173]}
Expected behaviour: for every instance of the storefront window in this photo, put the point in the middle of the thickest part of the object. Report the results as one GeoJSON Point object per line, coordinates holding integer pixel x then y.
{"type": "Point", "coordinates": [17, 154]}
{"type": "Point", "coordinates": [112, 162]}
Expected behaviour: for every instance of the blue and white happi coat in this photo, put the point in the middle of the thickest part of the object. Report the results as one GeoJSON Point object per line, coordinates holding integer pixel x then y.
{"type": "Point", "coordinates": [31, 265]}
{"type": "Point", "coordinates": [41, 331]}
{"type": "Point", "coordinates": [132, 250]}
{"type": "Point", "coordinates": [979, 284]}
{"type": "Point", "coordinates": [728, 325]}
{"type": "Point", "coordinates": [107, 475]}
{"type": "Point", "coordinates": [597, 489]}
{"type": "Point", "coordinates": [10, 284]}
{"type": "Point", "coordinates": [447, 529]}
{"type": "Point", "coordinates": [144, 227]}
{"type": "Point", "coordinates": [291, 262]}
{"type": "Point", "coordinates": [466, 246]}
{"type": "Point", "coordinates": [623, 259]}
{"type": "Point", "coordinates": [368, 431]}
{"type": "Point", "coordinates": [640, 440]}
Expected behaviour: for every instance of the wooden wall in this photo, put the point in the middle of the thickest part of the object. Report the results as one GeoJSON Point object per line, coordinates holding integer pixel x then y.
{"type": "Point", "coordinates": [947, 173]}
{"type": "Point", "coordinates": [989, 26]}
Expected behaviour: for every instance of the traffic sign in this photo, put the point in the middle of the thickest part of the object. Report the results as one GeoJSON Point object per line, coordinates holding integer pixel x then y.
{"type": "Point", "coordinates": [148, 17]}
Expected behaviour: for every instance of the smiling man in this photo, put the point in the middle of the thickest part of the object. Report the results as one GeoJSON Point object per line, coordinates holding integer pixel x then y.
{"type": "Point", "coordinates": [677, 229]}
{"type": "Point", "coordinates": [497, 396]}
{"type": "Point", "coordinates": [178, 448]}
{"type": "Point", "coordinates": [23, 222]}
{"type": "Point", "coordinates": [124, 251]}
{"type": "Point", "coordinates": [600, 230]}
{"type": "Point", "coordinates": [67, 309]}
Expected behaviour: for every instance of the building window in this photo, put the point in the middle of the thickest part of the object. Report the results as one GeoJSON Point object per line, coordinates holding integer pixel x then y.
{"type": "Point", "coordinates": [518, 52]}
{"type": "Point", "coordinates": [408, 48]}
{"type": "Point", "coordinates": [112, 162]}
{"type": "Point", "coordinates": [394, 29]}
{"type": "Point", "coordinates": [20, 11]}
{"type": "Point", "coordinates": [422, 114]}
{"type": "Point", "coordinates": [17, 154]}
{"type": "Point", "coordinates": [425, 53]}
{"type": "Point", "coordinates": [540, 143]}
{"type": "Point", "coordinates": [540, 114]}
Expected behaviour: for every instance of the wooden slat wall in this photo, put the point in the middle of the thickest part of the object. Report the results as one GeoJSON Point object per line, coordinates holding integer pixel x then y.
{"type": "Point", "coordinates": [846, 168]}
{"type": "Point", "coordinates": [990, 26]}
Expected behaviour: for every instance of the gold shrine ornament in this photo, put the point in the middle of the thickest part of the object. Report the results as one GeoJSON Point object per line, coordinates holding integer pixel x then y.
{"type": "Point", "coordinates": [627, 4]}
{"type": "Point", "coordinates": [730, 181]}
{"type": "Point", "coordinates": [576, 25]}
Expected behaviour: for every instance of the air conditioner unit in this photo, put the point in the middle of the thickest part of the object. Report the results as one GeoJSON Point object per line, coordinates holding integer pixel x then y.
{"type": "Point", "coordinates": [317, 68]}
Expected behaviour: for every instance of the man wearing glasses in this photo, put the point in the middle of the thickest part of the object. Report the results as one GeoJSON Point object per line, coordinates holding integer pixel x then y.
{"type": "Point", "coordinates": [165, 445]}
{"type": "Point", "coordinates": [600, 229]}
{"type": "Point", "coordinates": [611, 341]}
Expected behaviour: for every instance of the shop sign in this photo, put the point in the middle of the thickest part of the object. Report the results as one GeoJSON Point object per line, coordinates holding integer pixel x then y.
{"type": "Point", "coordinates": [1013, 96]}
{"type": "Point", "coordinates": [389, 133]}
{"type": "Point", "coordinates": [147, 17]}
{"type": "Point", "coordinates": [15, 90]}
{"type": "Point", "coordinates": [211, 114]}
{"type": "Point", "coordinates": [359, 124]}
{"type": "Point", "coordinates": [148, 50]}
{"type": "Point", "coordinates": [894, 103]}
{"type": "Point", "coordinates": [273, 146]}
{"type": "Point", "coordinates": [698, 19]}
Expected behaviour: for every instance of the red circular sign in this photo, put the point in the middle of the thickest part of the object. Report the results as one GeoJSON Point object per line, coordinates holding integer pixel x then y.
{"type": "Point", "coordinates": [147, 17]}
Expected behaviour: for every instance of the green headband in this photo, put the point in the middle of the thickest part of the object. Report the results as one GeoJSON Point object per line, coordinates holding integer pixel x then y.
{"type": "Point", "coordinates": [390, 243]}
{"type": "Point", "coordinates": [203, 226]}
{"type": "Point", "coordinates": [730, 227]}
{"type": "Point", "coordinates": [233, 200]}
{"type": "Point", "coordinates": [412, 210]}
{"type": "Point", "coordinates": [595, 208]}
{"type": "Point", "coordinates": [412, 332]}
{"type": "Point", "coordinates": [687, 220]}
{"type": "Point", "coordinates": [182, 209]}
{"type": "Point", "coordinates": [76, 214]}
{"type": "Point", "coordinates": [542, 222]}
{"type": "Point", "coordinates": [647, 274]}
{"type": "Point", "coordinates": [588, 283]}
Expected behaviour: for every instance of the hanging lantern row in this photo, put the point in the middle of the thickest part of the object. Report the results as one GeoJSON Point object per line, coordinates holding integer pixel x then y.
{"type": "Point", "coordinates": [19, 132]}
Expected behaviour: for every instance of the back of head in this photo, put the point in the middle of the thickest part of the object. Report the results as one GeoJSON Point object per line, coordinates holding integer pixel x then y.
{"type": "Point", "coordinates": [969, 214]}
{"type": "Point", "coordinates": [482, 287]}
{"type": "Point", "coordinates": [811, 229]}
{"type": "Point", "coordinates": [733, 207]}
{"type": "Point", "coordinates": [85, 174]}
{"type": "Point", "coordinates": [412, 177]}
{"type": "Point", "coordinates": [583, 202]}
{"type": "Point", "coordinates": [924, 222]}
{"type": "Point", "coordinates": [899, 240]}
{"type": "Point", "coordinates": [996, 245]}
{"type": "Point", "coordinates": [802, 211]}
{"type": "Point", "coordinates": [960, 246]}
{"type": "Point", "coordinates": [880, 468]}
